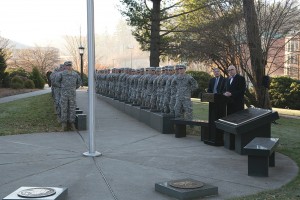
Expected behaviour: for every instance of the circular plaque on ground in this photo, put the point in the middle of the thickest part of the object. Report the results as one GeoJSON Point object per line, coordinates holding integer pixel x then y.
{"type": "Point", "coordinates": [186, 184]}
{"type": "Point", "coordinates": [36, 192]}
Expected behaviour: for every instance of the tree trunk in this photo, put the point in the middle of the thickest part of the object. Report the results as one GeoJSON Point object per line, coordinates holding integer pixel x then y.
{"type": "Point", "coordinates": [256, 55]}
{"type": "Point", "coordinates": [155, 34]}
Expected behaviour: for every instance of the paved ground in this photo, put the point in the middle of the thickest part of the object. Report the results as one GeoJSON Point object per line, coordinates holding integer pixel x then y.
{"type": "Point", "coordinates": [134, 158]}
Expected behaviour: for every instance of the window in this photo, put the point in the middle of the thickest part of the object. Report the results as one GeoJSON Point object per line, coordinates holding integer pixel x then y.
{"type": "Point", "coordinates": [293, 45]}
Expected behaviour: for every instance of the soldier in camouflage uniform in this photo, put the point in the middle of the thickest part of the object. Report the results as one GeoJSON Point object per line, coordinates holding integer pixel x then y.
{"type": "Point", "coordinates": [149, 90]}
{"type": "Point", "coordinates": [173, 91]}
{"type": "Point", "coordinates": [56, 90]}
{"type": "Point", "coordinates": [140, 87]}
{"type": "Point", "coordinates": [184, 85]}
{"type": "Point", "coordinates": [154, 96]}
{"type": "Point", "coordinates": [69, 81]}
{"type": "Point", "coordinates": [160, 90]}
{"type": "Point", "coordinates": [143, 89]}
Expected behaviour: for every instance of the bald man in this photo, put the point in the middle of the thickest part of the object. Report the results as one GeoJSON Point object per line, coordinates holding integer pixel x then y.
{"type": "Point", "coordinates": [235, 89]}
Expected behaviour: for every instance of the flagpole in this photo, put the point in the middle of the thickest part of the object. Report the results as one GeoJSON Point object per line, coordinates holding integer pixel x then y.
{"type": "Point", "coordinates": [91, 71]}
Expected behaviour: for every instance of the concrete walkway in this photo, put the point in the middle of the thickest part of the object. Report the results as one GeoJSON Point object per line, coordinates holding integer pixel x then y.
{"type": "Point", "coordinates": [134, 158]}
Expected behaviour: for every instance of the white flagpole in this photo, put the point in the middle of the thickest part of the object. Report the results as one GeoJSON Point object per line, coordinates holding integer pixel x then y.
{"type": "Point", "coordinates": [91, 71]}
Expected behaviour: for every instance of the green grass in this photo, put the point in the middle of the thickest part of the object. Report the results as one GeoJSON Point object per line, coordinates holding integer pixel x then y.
{"type": "Point", "coordinates": [288, 131]}
{"type": "Point", "coordinates": [36, 114]}
{"type": "Point", "coordinates": [29, 115]}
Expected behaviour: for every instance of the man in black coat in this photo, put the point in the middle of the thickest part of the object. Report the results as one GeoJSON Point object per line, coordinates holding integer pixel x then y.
{"type": "Point", "coordinates": [216, 84]}
{"type": "Point", "coordinates": [235, 89]}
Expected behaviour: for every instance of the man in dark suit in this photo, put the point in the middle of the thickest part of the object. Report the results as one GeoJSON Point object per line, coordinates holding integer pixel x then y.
{"type": "Point", "coordinates": [216, 84]}
{"type": "Point", "coordinates": [235, 89]}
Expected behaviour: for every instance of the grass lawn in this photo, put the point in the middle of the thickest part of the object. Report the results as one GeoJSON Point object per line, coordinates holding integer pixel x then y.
{"type": "Point", "coordinates": [36, 114]}
{"type": "Point", "coordinates": [29, 115]}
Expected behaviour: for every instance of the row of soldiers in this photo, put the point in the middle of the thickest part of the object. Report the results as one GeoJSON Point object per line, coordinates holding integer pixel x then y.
{"type": "Point", "coordinates": [64, 82]}
{"type": "Point", "coordinates": [161, 89]}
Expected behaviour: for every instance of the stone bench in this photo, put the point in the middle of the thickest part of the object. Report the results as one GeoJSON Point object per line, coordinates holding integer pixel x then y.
{"type": "Point", "coordinates": [180, 126]}
{"type": "Point", "coordinates": [80, 122]}
{"type": "Point", "coordinates": [261, 155]}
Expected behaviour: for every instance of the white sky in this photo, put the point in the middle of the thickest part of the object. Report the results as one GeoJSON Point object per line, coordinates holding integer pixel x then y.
{"type": "Point", "coordinates": [42, 22]}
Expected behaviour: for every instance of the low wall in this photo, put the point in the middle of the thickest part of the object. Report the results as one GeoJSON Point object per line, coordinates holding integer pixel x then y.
{"type": "Point", "coordinates": [155, 120]}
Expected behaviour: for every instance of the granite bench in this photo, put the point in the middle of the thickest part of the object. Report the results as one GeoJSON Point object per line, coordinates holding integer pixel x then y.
{"type": "Point", "coordinates": [261, 155]}
{"type": "Point", "coordinates": [180, 126]}
{"type": "Point", "coordinates": [81, 122]}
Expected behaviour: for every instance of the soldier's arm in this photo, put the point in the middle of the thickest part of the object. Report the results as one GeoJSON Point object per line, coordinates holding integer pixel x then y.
{"type": "Point", "coordinates": [194, 84]}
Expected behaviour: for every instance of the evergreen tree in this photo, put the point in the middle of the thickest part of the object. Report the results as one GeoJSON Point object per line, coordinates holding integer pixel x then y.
{"type": "Point", "coordinates": [37, 78]}
{"type": "Point", "coordinates": [2, 67]}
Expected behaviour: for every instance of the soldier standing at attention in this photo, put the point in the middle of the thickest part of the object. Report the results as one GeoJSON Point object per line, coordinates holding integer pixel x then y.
{"type": "Point", "coordinates": [69, 81]}
{"type": "Point", "coordinates": [184, 84]}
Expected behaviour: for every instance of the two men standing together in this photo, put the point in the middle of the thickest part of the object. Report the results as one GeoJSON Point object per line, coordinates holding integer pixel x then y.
{"type": "Point", "coordinates": [233, 87]}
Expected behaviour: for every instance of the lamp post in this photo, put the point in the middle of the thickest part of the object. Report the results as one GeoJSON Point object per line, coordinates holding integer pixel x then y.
{"type": "Point", "coordinates": [81, 50]}
{"type": "Point", "coordinates": [298, 64]}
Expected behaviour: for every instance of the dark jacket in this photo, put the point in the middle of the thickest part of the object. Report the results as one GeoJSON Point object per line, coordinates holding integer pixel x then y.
{"type": "Point", "coordinates": [237, 89]}
{"type": "Point", "coordinates": [220, 87]}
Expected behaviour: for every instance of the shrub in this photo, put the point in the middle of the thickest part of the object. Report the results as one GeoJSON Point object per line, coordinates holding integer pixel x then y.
{"type": "Point", "coordinates": [285, 93]}
{"type": "Point", "coordinates": [36, 76]}
{"type": "Point", "coordinates": [10, 73]}
{"type": "Point", "coordinates": [85, 78]}
{"type": "Point", "coordinates": [6, 80]}
{"type": "Point", "coordinates": [202, 79]}
{"type": "Point", "coordinates": [17, 83]}
{"type": "Point", "coordinates": [29, 84]}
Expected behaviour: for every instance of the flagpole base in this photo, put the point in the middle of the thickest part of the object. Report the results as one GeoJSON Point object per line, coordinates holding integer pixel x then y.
{"type": "Point", "coordinates": [95, 154]}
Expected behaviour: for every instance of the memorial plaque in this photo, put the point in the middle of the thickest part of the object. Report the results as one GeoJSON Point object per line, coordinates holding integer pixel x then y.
{"type": "Point", "coordinates": [245, 116]}
{"type": "Point", "coordinates": [186, 184]}
{"type": "Point", "coordinates": [186, 189]}
{"type": "Point", "coordinates": [243, 126]}
{"type": "Point", "coordinates": [36, 192]}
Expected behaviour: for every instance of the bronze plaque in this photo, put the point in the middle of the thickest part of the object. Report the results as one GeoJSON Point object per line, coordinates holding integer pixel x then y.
{"type": "Point", "coordinates": [245, 116]}
{"type": "Point", "coordinates": [36, 192]}
{"type": "Point", "coordinates": [186, 184]}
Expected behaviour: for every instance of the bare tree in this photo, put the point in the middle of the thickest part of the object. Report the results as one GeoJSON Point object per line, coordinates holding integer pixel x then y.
{"type": "Point", "coordinates": [221, 36]}
{"type": "Point", "coordinates": [6, 46]}
{"type": "Point", "coordinates": [44, 58]}
{"type": "Point", "coordinates": [72, 43]}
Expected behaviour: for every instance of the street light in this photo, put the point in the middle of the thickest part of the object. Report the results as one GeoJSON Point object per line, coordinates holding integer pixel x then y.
{"type": "Point", "coordinates": [81, 50]}
{"type": "Point", "coordinates": [298, 63]}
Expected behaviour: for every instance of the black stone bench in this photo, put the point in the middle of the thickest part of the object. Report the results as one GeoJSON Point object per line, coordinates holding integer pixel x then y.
{"type": "Point", "coordinates": [261, 155]}
{"type": "Point", "coordinates": [80, 120]}
{"type": "Point", "coordinates": [180, 126]}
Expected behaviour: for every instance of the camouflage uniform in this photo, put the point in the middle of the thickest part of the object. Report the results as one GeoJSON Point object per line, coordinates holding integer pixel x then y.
{"type": "Point", "coordinates": [69, 81]}
{"type": "Point", "coordinates": [184, 85]}
{"type": "Point", "coordinates": [173, 91]}
{"type": "Point", "coordinates": [56, 90]}
{"type": "Point", "coordinates": [167, 90]}
{"type": "Point", "coordinates": [154, 94]}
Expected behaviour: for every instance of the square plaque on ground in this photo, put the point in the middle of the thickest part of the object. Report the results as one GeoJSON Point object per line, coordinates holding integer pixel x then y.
{"type": "Point", "coordinates": [38, 193]}
{"type": "Point", "coordinates": [185, 189]}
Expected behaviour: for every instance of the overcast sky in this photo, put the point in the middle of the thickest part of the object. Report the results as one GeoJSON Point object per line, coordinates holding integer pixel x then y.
{"type": "Point", "coordinates": [42, 22]}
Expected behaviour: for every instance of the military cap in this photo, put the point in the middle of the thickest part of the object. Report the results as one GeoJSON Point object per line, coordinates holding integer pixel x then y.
{"type": "Point", "coordinates": [68, 63]}
{"type": "Point", "coordinates": [180, 66]}
{"type": "Point", "coordinates": [170, 68]}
